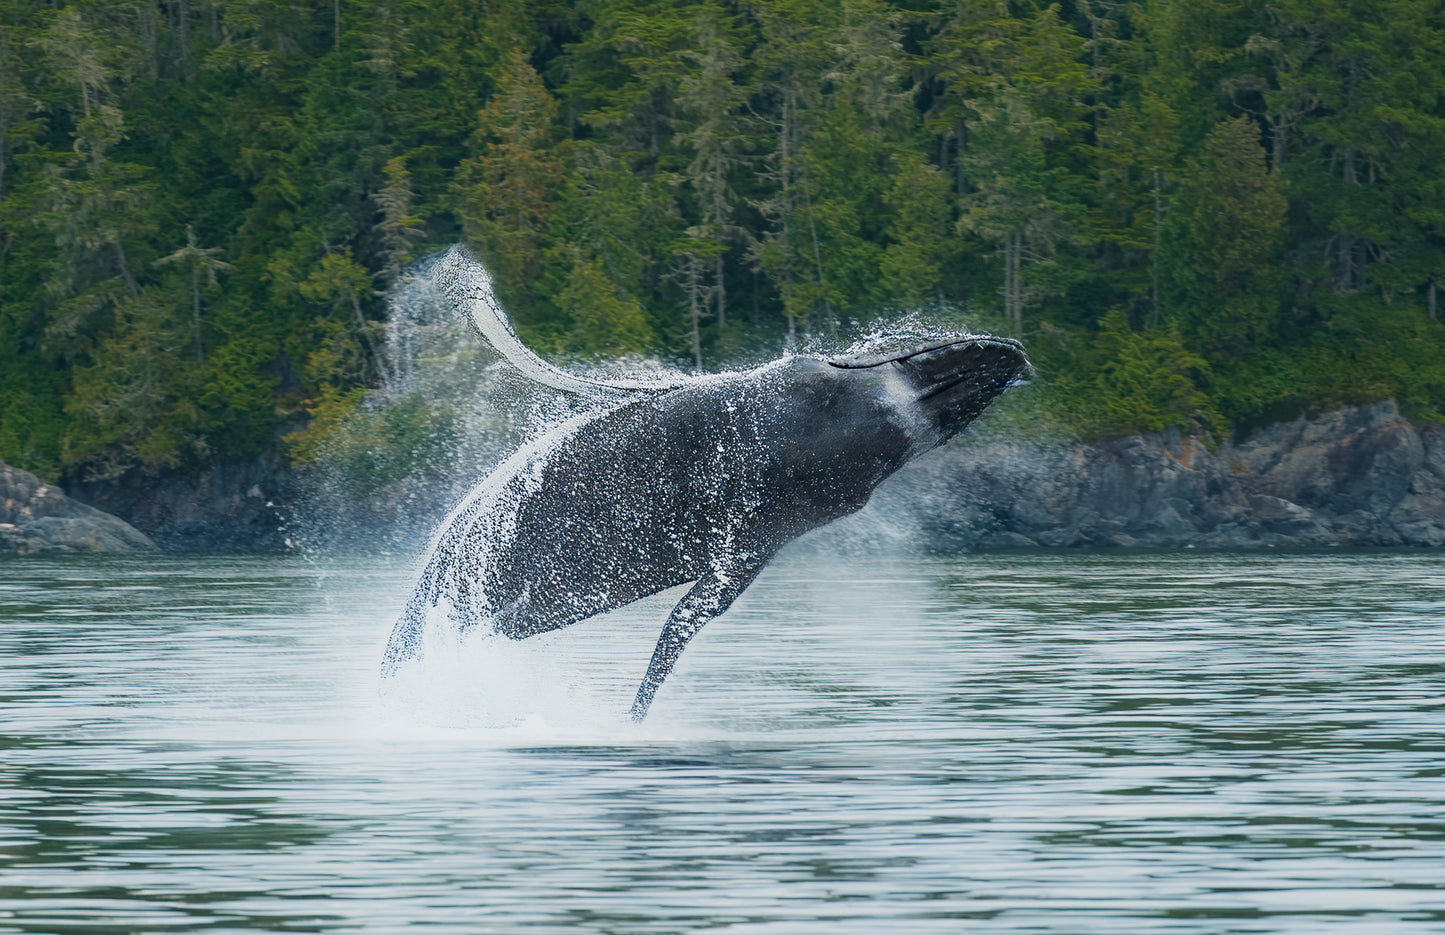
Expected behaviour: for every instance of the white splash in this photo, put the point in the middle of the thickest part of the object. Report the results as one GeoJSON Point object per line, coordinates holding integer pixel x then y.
{"type": "Point", "coordinates": [458, 672]}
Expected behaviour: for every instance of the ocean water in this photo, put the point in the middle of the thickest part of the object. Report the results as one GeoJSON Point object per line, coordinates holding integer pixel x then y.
{"type": "Point", "coordinates": [1023, 742]}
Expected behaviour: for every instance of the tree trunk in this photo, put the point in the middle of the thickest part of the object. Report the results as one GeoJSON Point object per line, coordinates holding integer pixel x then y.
{"type": "Point", "coordinates": [125, 272]}
{"type": "Point", "coordinates": [1019, 282]}
{"type": "Point", "coordinates": [1343, 245]}
{"type": "Point", "coordinates": [694, 305]}
{"type": "Point", "coordinates": [146, 17]}
{"type": "Point", "coordinates": [1095, 71]}
{"type": "Point", "coordinates": [183, 34]}
{"type": "Point", "coordinates": [1008, 283]}
{"type": "Point", "coordinates": [818, 260]}
{"type": "Point", "coordinates": [960, 139]}
{"type": "Point", "coordinates": [196, 309]}
{"type": "Point", "coordinates": [1154, 257]}
{"type": "Point", "coordinates": [722, 293]}
{"type": "Point", "coordinates": [1013, 293]}
{"type": "Point", "coordinates": [1278, 142]}
{"type": "Point", "coordinates": [378, 359]}
{"type": "Point", "coordinates": [813, 233]}
{"type": "Point", "coordinates": [785, 170]}
{"type": "Point", "coordinates": [753, 318]}
{"type": "Point", "coordinates": [1350, 250]}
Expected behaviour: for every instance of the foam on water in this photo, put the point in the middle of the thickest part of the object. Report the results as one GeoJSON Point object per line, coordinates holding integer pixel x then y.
{"type": "Point", "coordinates": [479, 679]}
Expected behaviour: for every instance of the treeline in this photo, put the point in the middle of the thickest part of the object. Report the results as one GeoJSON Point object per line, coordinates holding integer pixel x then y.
{"type": "Point", "coordinates": [1204, 213]}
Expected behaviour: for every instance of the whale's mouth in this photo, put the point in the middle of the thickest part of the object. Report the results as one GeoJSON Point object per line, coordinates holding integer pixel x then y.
{"type": "Point", "coordinates": [982, 367]}
{"type": "Point", "coordinates": [953, 378]}
{"type": "Point", "coordinates": [975, 364]}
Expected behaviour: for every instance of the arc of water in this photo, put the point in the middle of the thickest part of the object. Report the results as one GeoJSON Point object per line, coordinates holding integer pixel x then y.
{"type": "Point", "coordinates": [468, 284]}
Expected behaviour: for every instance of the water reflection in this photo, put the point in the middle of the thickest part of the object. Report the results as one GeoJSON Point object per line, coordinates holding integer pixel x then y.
{"type": "Point", "coordinates": [1057, 743]}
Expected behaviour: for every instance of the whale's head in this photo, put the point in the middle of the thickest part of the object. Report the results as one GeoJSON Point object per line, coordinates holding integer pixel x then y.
{"type": "Point", "coordinates": [951, 378]}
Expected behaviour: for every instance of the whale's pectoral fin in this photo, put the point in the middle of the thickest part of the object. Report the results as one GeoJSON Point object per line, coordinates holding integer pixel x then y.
{"type": "Point", "coordinates": [709, 597]}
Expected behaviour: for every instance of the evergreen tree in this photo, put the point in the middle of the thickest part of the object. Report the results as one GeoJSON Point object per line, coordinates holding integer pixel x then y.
{"type": "Point", "coordinates": [201, 262]}
{"type": "Point", "coordinates": [710, 98]}
{"type": "Point", "coordinates": [1225, 237]}
{"type": "Point", "coordinates": [506, 192]}
{"type": "Point", "coordinates": [1023, 196]}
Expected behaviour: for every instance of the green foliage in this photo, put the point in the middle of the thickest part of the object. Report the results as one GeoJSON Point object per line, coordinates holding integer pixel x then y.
{"type": "Point", "coordinates": [201, 205]}
{"type": "Point", "coordinates": [604, 321]}
{"type": "Point", "coordinates": [918, 204]}
{"type": "Point", "coordinates": [364, 448]}
{"type": "Point", "coordinates": [134, 404]}
{"type": "Point", "coordinates": [1147, 380]}
{"type": "Point", "coordinates": [1222, 266]}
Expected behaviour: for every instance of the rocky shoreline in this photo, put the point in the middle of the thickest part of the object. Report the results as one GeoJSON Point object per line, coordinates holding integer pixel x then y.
{"type": "Point", "coordinates": [243, 507]}
{"type": "Point", "coordinates": [1360, 476]}
{"type": "Point", "coordinates": [38, 517]}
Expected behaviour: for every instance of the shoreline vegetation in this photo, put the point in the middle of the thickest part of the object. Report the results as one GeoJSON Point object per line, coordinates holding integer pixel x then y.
{"type": "Point", "coordinates": [1201, 218]}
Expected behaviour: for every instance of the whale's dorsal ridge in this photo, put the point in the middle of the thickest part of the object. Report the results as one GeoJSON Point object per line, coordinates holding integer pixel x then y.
{"type": "Point", "coordinates": [467, 283]}
{"type": "Point", "coordinates": [902, 344]}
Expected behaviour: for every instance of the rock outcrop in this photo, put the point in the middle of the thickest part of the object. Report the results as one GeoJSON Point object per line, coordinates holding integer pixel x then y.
{"type": "Point", "coordinates": [244, 506]}
{"type": "Point", "coordinates": [1360, 476]}
{"type": "Point", "coordinates": [39, 517]}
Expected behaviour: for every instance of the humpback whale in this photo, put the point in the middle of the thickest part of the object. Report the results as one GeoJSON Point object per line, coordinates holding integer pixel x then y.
{"type": "Point", "coordinates": [683, 480]}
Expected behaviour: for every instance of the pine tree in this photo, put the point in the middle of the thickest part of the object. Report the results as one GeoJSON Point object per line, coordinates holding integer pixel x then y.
{"type": "Point", "coordinates": [1022, 196]}
{"type": "Point", "coordinates": [710, 99]}
{"type": "Point", "coordinates": [506, 192]}
{"type": "Point", "coordinates": [1225, 237]}
{"type": "Point", "coordinates": [399, 226]}
{"type": "Point", "coordinates": [201, 263]}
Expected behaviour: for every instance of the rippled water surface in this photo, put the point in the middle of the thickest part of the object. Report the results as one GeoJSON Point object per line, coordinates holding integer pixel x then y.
{"type": "Point", "coordinates": [1070, 743]}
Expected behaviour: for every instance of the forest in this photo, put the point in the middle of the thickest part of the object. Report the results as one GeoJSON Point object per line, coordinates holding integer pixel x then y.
{"type": "Point", "coordinates": [1208, 214]}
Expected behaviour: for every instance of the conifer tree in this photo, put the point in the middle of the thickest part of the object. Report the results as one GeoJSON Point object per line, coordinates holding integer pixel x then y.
{"type": "Point", "coordinates": [1225, 236]}
{"type": "Point", "coordinates": [1234, 198]}
{"type": "Point", "coordinates": [399, 225]}
{"type": "Point", "coordinates": [506, 192]}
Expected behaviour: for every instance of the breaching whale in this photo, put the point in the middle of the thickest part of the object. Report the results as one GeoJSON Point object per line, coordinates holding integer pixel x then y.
{"type": "Point", "coordinates": [683, 480]}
